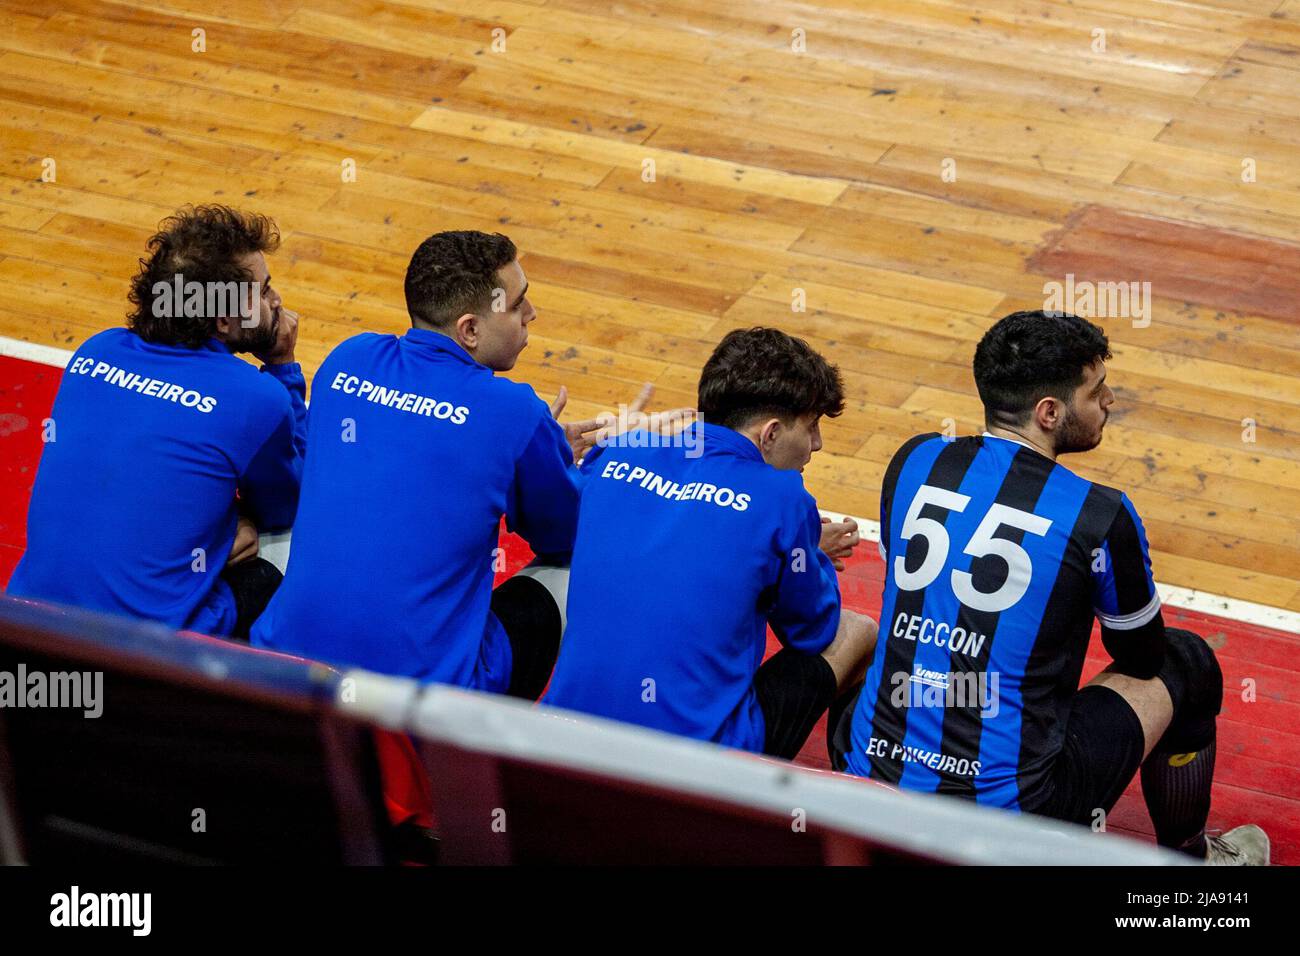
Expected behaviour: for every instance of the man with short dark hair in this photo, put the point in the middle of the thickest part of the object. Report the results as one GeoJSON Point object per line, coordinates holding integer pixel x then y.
{"type": "Point", "coordinates": [166, 453]}
{"type": "Point", "coordinates": [997, 561]}
{"type": "Point", "coordinates": [713, 539]}
{"type": "Point", "coordinates": [420, 449]}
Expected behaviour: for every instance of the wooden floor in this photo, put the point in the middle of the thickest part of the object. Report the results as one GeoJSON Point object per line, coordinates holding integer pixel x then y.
{"type": "Point", "coordinates": [829, 171]}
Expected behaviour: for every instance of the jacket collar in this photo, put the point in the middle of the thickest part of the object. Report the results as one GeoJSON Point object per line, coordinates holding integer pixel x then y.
{"type": "Point", "coordinates": [427, 338]}
{"type": "Point", "coordinates": [729, 440]}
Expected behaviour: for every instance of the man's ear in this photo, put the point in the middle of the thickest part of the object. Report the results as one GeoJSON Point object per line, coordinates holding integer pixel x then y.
{"type": "Point", "coordinates": [222, 327]}
{"type": "Point", "coordinates": [467, 331]}
{"type": "Point", "coordinates": [767, 435]}
{"type": "Point", "coordinates": [1048, 413]}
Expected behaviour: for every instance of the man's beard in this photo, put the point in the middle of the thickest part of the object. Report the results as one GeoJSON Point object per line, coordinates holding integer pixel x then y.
{"type": "Point", "coordinates": [256, 339]}
{"type": "Point", "coordinates": [1073, 435]}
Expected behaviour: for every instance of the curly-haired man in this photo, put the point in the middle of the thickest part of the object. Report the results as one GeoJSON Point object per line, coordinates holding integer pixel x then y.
{"type": "Point", "coordinates": [165, 452]}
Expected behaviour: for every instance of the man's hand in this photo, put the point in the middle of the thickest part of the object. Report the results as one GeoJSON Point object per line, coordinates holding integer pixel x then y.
{"type": "Point", "coordinates": [664, 423]}
{"type": "Point", "coordinates": [839, 538]}
{"type": "Point", "coordinates": [245, 546]}
{"type": "Point", "coordinates": [286, 340]}
{"type": "Point", "coordinates": [577, 433]}
{"type": "Point", "coordinates": [584, 434]}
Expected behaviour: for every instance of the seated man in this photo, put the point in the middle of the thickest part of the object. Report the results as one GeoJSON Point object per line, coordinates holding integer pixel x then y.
{"type": "Point", "coordinates": [708, 549]}
{"type": "Point", "coordinates": [421, 449]}
{"type": "Point", "coordinates": [997, 559]}
{"type": "Point", "coordinates": [155, 429]}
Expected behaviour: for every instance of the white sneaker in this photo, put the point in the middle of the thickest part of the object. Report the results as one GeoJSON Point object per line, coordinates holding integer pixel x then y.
{"type": "Point", "coordinates": [1243, 846]}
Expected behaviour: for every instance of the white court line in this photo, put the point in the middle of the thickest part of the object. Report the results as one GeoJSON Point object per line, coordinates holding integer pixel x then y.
{"type": "Point", "coordinates": [31, 352]}
{"type": "Point", "coordinates": [1188, 599]}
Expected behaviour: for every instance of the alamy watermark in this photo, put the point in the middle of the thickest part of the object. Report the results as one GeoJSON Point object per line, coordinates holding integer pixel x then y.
{"type": "Point", "coordinates": [636, 429]}
{"type": "Point", "coordinates": [1107, 300]}
{"type": "Point", "coordinates": [925, 687]}
{"type": "Point", "coordinates": [78, 690]}
{"type": "Point", "coordinates": [194, 299]}
{"type": "Point", "coordinates": [133, 911]}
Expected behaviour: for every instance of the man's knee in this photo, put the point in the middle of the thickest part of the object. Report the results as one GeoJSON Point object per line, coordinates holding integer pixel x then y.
{"type": "Point", "coordinates": [855, 640]}
{"type": "Point", "coordinates": [1192, 675]}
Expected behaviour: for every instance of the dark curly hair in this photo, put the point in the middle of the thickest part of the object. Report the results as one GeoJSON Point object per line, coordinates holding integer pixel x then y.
{"type": "Point", "coordinates": [1027, 356]}
{"type": "Point", "coordinates": [764, 372]}
{"type": "Point", "coordinates": [453, 273]}
{"type": "Point", "coordinates": [200, 244]}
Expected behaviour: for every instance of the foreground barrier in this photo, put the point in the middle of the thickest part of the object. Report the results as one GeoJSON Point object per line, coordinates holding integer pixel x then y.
{"type": "Point", "coordinates": [126, 742]}
{"type": "Point", "coordinates": [122, 741]}
{"type": "Point", "coordinates": [518, 783]}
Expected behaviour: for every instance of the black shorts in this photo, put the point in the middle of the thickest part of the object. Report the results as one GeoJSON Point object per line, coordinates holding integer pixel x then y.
{"type": "Point", "coordinates": [794, 689]}
{"type": "Point", "coordinates": [532, 622]}
{"type": "Point", "coordinates": [253, 583]}
{"type": "Point", "coordinates": [1101, 753]}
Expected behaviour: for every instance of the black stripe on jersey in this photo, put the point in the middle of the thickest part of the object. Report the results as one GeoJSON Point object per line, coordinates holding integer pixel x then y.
{"type": "Point", "coordinates": [891, 482]}
{"type": "Point", "coordinates": [1055, 664]}
{"type": "Point", "coordinates": [1127, 562]}
{"type": "Point", "coordinates": [947, 472]}
{"type": "Point", "coordinates": [963, 728]}
{"type": "Point", "coordinates": [1138, 652]}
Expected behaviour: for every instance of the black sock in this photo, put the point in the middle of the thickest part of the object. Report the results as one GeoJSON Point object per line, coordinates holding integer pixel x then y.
{"type": "Point", "coordinates": [1177, 791]}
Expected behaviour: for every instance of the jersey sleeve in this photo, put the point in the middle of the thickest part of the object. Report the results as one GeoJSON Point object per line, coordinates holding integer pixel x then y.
{"type": "Point", "coordinates": [1125, 598]}
{"type": "Point", "coordinates": [268, 487]}
{"type": "Point", "coordinates": [806, 612]}
{"type": "Point", "coordinates": [290, 376]}
{"type": "Point", "coordinates": [543, 500]}
{"type": "Point", "coordinates": [587, 467]}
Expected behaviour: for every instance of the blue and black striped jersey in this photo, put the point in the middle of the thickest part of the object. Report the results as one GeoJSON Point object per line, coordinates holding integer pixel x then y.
{"type": "Point", "coordinates": [997, 560]}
